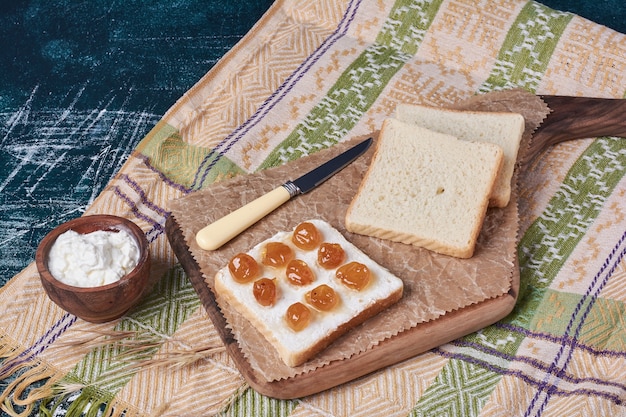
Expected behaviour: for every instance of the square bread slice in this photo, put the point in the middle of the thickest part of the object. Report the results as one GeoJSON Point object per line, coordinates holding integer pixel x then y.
{"type": "Point", "coordinates": [355, 303]}
{"type": "Point", "coordinates": [500, 128]}
{"type": "Point", "coordinates": [425, 188]}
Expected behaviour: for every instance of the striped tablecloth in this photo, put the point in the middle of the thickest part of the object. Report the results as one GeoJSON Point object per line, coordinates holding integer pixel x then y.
{"type": "Point", "coordinates": [311, 74]}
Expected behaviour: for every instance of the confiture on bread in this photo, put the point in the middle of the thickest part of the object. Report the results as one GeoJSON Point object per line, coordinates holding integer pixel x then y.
{"type": "Point", "coordinates": [304, 288]}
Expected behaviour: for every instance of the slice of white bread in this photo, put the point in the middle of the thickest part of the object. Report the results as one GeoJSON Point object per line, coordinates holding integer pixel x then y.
{"type": "Point", "coordinates": [502, 129]}
{"type": "Point", "coordinates": [354, 307]}
{"type": "Point", "coordinates": [425, 188]}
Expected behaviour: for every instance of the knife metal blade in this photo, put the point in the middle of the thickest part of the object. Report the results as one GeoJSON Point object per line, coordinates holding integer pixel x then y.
{"type": "Point", "coordinates": [226, 228]}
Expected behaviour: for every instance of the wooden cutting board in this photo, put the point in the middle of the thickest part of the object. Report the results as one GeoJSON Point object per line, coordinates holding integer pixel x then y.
{"type": "Point", "coordinates": [329, 202]}
{"type": "Point", "coordinates": [405, 345]}
{"type": "Point", "coordinates": [549, 120]}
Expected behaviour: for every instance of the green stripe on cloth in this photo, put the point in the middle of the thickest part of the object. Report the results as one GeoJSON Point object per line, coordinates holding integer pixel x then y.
{"type": "Point", "coordinates": [556, 312]}
{"type": "Point", "coordinates": [101, 371]}
{"type": "Point", "coordinates": [521, 62]}
{"type": "Point", "coordinates": [564, 222]}
{"type": "Point", "coordinates": [607, 330]}
{"type": "Point", "coordinates": [178, 161]}
{"type": "Point", "coordinates": [251, 403]}
{"type": "Point", "coordinates": [527, 49]}
{"type": "Point", "coordinates": [442, 397]}
{"type": "Point", "coordinates": [550, 240]}
{"type": "Point", "coordinates": [360, 85]}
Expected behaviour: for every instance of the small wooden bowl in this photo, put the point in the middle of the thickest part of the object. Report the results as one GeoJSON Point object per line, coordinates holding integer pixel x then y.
{"type": "Point", "coordinates": [103, 303]}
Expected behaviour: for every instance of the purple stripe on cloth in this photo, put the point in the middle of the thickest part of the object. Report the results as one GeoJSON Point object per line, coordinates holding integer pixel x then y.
{"type": "Point", "coordinates": [556, 370]}
{"type": "Point", "coordinates": [162, 177]}
{"type": "Point", "coordinates": [617, 399]}
{"type": "Point", "coordinates": [41, 344]}
{"type": "Point", "coordinates": [558, 366]}
{"type": "Point", "coordinates": [560, 340]}
{"type": "Point", "coordinates": [157, 227]}
{"type": "Point", "coordinates": [536, 363]}
{"type": "Point", "coordinates": [143, 196]}
{"type": "Point", "coordinates": [277, 95]}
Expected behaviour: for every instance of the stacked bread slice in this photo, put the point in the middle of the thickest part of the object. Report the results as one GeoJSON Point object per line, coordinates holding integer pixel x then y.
{"type": "Point", "coordinates": [432, 189]}
{"type": "Point", "coordinates": [499, 128]}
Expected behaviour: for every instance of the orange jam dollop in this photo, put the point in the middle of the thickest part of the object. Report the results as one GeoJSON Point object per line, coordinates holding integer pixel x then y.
{"type": "Point", "coordinates": [299, 273]}
{"type": "Point", "coordinates": [354, 275]}
{"type": "Point", "coordinates": [243, 268]}
{"type": "Point", "coordinates": [306, 236]}
{"type": "Point", "coordinates": [276, 254]}
{"type": "Point", "coordinates": [264, 291]}
{"type": "Point", "coordinates": [322, 297]}
{"type": "Point", "coordinates": [298, 316]}
{"type": "Point", "coordinates": [330, 255]}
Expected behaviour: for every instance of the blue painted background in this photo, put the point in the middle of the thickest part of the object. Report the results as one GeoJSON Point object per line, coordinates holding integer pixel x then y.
{"type": "Point", "coordinates": [82, 82]}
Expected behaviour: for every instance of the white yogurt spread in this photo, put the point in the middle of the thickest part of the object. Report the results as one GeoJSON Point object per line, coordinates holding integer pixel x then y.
{"type": "Point", "coordinates": [92, 259]}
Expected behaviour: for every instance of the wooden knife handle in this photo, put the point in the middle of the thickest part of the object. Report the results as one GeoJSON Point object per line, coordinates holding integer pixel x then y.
{"type": "Point", "coordinates": [221, 231]}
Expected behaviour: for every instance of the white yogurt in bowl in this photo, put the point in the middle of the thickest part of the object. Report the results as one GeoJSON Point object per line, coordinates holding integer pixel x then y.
{"type": "Point", "coordinates": [92, 259]}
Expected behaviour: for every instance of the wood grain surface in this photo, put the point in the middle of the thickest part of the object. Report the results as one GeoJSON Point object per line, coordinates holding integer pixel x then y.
{"type": "Point", "coordinates": [573, 118]}
{"type": "Point", "coordinates": [403, 346]}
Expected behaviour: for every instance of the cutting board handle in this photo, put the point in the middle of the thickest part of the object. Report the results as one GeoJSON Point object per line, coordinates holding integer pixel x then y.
{"type": "Point", "coordinates": [577, 118]}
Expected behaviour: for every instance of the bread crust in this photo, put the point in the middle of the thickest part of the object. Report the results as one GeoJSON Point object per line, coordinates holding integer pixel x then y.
{"type": "Point", "coordinates": [292, 358]}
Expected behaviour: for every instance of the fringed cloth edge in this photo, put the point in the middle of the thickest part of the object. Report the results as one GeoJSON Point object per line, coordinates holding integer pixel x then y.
{"type": "Point", "coordinates": [36, 382]}
{"type": "Point", "coordinates": [31, 380]}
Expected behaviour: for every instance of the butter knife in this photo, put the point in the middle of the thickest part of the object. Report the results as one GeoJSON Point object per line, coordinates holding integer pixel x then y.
{"type": "Point", "coordinates": [226, 228]}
